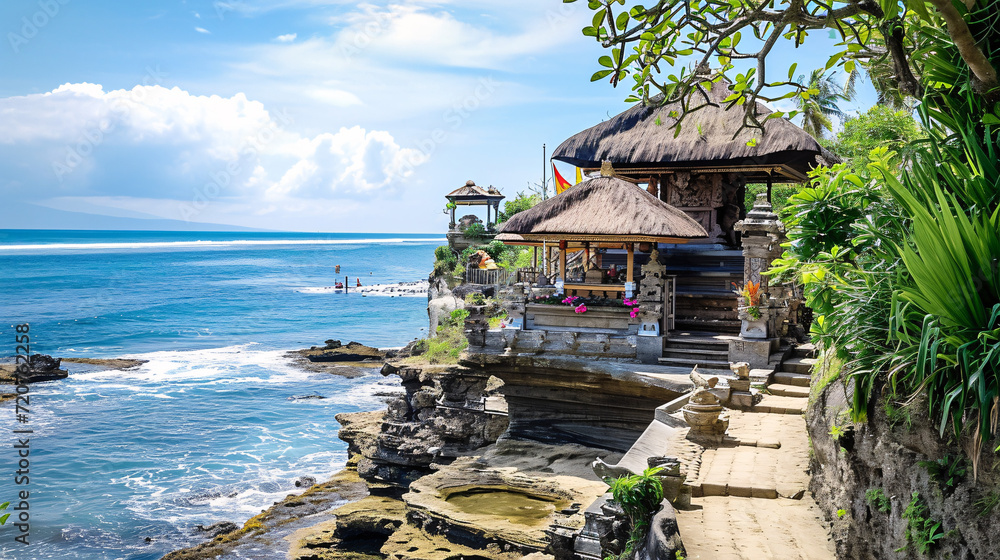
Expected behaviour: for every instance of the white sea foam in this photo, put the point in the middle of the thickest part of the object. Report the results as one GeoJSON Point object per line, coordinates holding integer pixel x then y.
{"type": "Point", "coordinates": [398, 289]}
{"type": "Point", "coordinates": [206, 244]}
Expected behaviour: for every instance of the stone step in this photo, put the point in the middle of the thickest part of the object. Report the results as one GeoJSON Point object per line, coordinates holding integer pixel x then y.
{"type": "Point", "coordinates": [696, 353]}
{"type": "Point", "coordinates": [696, 324]}
{"type": "Point", "coordinates": [799, 365]}
{"type": "Point", "coordinates": [804, 351]}
{"type": "Point", "coordinates": [789, 378]}
{"type": "Point", "coordinates": [777, 404]}
{"type": "Point", "coordinates": [701, 364]}
{"type": "Point", "coordinates": [783, 390]}
{"type": "Point", "coordinates": [706, 344]}
{"type": "Point", "coordinates": [751, 472]}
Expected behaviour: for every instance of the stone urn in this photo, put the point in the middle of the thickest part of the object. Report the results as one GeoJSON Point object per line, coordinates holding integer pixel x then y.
{"type": "Point", "coordinates": [752, 327]}
{"type": "Point", "coordinates": [705, 415]}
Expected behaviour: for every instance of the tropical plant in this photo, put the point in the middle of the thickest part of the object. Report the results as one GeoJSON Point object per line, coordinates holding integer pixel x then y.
{"type": "Point", "coordinates": [475, 231]}
{"type": "Point", "coordinates": [818, 107]}
{"type": "Point", "coordinates": [639, 496]}
{"type": "Point", "coordinates": [523, 201]}
{"type": "Point", "coordinates": [922, 531]}
{"type": "Point", "coordinates": [647, 41]}
{"type": "Point", "coordinates": [880, 126]}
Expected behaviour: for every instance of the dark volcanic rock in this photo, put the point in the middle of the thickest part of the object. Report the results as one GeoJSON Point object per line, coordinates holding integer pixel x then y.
{"type": "Point", "coordinates": [220, 528]}
{"type": "Point", "coordinates": [305, 481]}
{"type": "Point", "coordinates": [305, 397]}
{"type": "Point", "coordinates": [41, 367]}
{"type": "Point", "coordinates": [440, 416]}
{"type": "Point", "coordinates": [334, 351]}
{"type": "Point", "coordinates": [865, 482]}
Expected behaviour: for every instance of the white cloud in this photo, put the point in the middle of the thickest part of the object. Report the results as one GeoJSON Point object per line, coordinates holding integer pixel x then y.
{"type": "Point", "coordinates": [124, 148]}
{"type": "Point", "coordinates": [287, 38]}
{"type": "Point", "coordinates": [202, 30]}
{"type": "Point", "coordinates": [336, 97]}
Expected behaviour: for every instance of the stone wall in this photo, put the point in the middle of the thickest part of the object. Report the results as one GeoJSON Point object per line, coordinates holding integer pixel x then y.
{"type": "Point", "coordinates": [882, 457]}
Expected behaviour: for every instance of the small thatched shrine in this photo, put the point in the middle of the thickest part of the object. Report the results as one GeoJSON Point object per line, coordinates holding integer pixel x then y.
{"type": "Point", "coordinates": [603, 213]}
{"type": "Point", "coordinates": [471, 194]}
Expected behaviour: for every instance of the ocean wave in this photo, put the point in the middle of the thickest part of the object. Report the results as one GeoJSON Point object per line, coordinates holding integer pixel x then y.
{"type": "Point", "coordinates": [208, 244]}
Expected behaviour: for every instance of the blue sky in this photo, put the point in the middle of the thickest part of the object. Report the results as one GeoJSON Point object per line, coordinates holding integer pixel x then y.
{"type": "Point", "coordinates": [299, 115]}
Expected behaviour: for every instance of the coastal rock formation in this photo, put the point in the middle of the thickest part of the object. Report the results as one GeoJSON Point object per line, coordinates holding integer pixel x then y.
{"type": "Point", "coordinates": [873, 471]}
{"type": "Point", "coordinates": [41, 367]}
{"type": "Point", "coordinates": [109, 363]}
{"type": "Point", "coordinates": [442, 414]}
{"type": "Point", "coordinates": [256, 532]}
{"type": "Point", "coordinates": [351, 360]}
{"type": "Point", "coordinates": [334, 351]}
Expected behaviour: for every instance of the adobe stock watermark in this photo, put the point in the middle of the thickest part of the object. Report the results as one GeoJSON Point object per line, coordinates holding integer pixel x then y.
{"type": "Point", "coordinates": [95, 133]}
{"type": "Point", "coordinates": [223, 179]}
{"type": "Point", "coordinates": [454, 117]}
{"type": "Point", "coordinates": [375, 24]}
{"type": "Point", "coordinates": [33, 24]}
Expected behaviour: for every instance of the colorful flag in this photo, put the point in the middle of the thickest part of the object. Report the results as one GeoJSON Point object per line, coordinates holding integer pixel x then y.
{"type": "Point", "coordinates": [579, 175]}
{"type": "Point", "coordinates": [561, 183]}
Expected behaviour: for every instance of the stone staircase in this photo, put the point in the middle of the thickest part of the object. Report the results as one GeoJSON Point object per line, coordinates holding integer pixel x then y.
{"type": "Point", "coordinates": [708, 351]}
{"type": "Point", "coordinates": [792, 380]}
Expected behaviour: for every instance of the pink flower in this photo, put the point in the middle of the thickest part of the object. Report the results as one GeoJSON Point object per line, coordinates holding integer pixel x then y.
{"type": "Point", "coordinates": [630, 302]}
{"type": "Point", "coordinates": [634, 313]}
{"type": "Point", "coordinates": [581, 308]}
{"type": "Point", "coordinates": [569, 300]}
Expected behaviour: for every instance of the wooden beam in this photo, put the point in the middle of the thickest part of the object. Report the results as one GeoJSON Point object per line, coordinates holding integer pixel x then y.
{"type": "Point", "coordinates": [562, 261]}
{"type": "Point", "coordinates": [630, 247]}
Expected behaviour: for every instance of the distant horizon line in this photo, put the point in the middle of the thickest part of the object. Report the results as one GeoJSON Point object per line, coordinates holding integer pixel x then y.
{"type": "Point", "coordinates": [244, 231]}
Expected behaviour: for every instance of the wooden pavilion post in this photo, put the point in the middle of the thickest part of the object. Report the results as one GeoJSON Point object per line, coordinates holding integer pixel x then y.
{"type": "Point", "coordinates": [586, 256]}
{"type": "Point", "coordinates": [629, 264]}
{"type": "Point", "coordinates": [562, 261]}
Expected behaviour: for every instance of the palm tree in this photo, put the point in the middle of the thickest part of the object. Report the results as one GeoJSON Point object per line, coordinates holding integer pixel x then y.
{"type": "Point", "coordinates": [817, 110]}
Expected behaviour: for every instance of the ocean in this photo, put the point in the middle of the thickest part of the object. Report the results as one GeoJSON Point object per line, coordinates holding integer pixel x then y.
{"type": "Point", "coordinates": [205, 431]}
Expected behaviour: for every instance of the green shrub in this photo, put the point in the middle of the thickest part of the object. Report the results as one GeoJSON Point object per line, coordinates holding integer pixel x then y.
{"type": "Point", "coordinates": [921, 531]}
{"type": "Point", "coordinates": [444, 260]}
{"type": "Point", "coordinates": [878, 500]}
{"type": "Point", "coordinates": [948, 471]}
{"type": "Point", "coordinates": [520, 203]}
{"type": "Point", "coordinates": [475, 231]}
{"type": "Point", "coordinates": [639, 496]}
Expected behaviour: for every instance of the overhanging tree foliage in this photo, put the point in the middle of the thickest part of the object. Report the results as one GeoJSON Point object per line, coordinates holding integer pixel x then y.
{"type": "Point", "coordinates": [647, 42]}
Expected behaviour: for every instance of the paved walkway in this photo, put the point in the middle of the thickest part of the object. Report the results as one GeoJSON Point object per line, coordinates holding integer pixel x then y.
{"type": "Point", "coordinates": [751, 498]}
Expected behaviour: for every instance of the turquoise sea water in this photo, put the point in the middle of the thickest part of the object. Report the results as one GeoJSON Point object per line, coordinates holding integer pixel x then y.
{"type": "Point", "coordinates": [205, 431]}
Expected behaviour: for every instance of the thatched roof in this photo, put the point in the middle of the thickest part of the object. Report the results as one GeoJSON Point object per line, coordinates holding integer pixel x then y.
{"type": "Point", "coordinates": [602, 209]}
{"type": "Point", "coordinates": [635, 144]}
{"type": "Point", "coordinates": [471, 192]}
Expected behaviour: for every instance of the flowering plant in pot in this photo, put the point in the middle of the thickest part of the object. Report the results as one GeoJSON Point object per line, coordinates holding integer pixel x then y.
{"type": "Point", "coordinates": [750, 294]}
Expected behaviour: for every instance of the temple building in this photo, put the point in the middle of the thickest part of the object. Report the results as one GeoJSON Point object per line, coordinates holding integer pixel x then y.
{"type": "Point", "coordinates": [659, 237]}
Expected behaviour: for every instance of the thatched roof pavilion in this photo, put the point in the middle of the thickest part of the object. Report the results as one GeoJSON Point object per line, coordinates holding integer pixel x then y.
{"type": "Point", "coordinates": [603, 212]}
{"type": "Point", "coordinates": [640, 142]}
{"type": "Point", "coordinates": [605, 209]}
{"type": "Point", "coordinates": [471, 194]}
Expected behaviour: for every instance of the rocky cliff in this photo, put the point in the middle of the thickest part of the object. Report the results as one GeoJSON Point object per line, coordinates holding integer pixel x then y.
{"type": "Point", "coordinates": [893, 488]}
